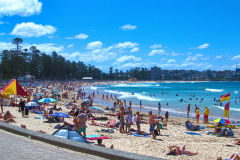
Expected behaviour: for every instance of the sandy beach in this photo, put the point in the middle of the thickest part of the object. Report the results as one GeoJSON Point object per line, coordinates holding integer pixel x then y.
{"type": "Point", "coordinates": [207, 146]}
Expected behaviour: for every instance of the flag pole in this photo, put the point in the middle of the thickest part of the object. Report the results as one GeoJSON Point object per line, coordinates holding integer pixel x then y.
{"type": "Point", "coordinates": [229, 110]}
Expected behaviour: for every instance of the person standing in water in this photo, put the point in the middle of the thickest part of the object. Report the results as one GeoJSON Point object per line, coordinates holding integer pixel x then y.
{"type": "Point", "coordinates": [188, 110]}
{"type": "Point", "coordinates": [159, 108]}
{"type": "Point", "coordinates": [140, 103]}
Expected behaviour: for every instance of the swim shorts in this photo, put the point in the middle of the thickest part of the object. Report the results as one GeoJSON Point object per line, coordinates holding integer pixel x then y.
{"type": "Point", "coordinates": [82, 129]}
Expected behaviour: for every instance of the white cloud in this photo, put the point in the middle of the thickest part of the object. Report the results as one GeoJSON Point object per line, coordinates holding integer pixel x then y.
{"type": "Point", "coordinates": [2, 33]}
{"type": "Point", "coordinates": [8, 46]}
{"type": "Point", "coordinates": [128, 27]}
{"type": "Point", "coordinates": [97, 55]}
{"type": "Point", "coordinates": [203, 46]}
{"type": "Point", "coordinates": [31, 29]}
{"type": "Point", "coordinates": [70, 45]}
{"type": "Point", "coordinates": [46, 47]}
{"type": "Point", "coordinates": [171, 61]}
{"type": "Point", "coordinates": [127, 58]}
{"type": "Point", "coordinates": [126, 45]}
{"type": "Point", "coordinates": [193, 58]}
{"type": "Point", "coordinates": [79, 36]}
{"type": "Point", "coordinates": [236, 57]}
{"type": "Point", "coordinates": [94, 45]}
{"type": "Point", "coordinates": [20, 7]}
{"type": "Point", "coordinates": [159, 51]}
{"type": "Point", "coordinates": [136, 49]}
{"type": "Point", "coordinates": [219, 57]}
{"type": "Point", "coordinates": [156, 46]}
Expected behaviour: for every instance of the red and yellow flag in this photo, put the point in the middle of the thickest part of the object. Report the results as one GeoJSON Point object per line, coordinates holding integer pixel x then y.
{"type": "Point", "coordinates": [225, 97]}
{"type": "Point", "coordinates": [226, 110]}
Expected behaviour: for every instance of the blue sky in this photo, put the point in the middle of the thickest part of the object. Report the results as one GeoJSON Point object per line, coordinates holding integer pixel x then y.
{"type": "Point", "coordinates": [170, 34]}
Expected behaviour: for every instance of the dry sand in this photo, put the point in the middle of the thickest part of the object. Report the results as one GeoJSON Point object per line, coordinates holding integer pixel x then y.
{"type": "Point", "coordinates": [207, 146]}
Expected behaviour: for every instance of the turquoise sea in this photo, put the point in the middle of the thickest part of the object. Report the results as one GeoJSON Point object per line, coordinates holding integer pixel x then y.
{"type": "Point", "coordinates": [200, 93]}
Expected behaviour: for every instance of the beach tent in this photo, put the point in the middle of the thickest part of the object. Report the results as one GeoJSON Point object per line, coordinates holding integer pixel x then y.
{"type": "Point", "coordinates": [14, 88]}
{"type": "Point", "coordinates": [70, 134]}
{"type": "Point", "coordinates": [95, 109]}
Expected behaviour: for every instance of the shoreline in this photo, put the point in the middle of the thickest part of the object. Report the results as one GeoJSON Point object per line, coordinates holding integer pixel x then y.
{"type": "Point", "coordinates": [145, 108]}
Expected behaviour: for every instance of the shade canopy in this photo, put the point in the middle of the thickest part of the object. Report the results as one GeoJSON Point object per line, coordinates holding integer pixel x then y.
{"type": "Point", "coordinates": [223, 121]}
{"type": "Point", "coordinates": [60, 114]}
{"type": "Point", "coordinates": [14, 88]}
{"type": "Point", "coordinates": [70, 134]}
{"type": "Point", "coordinates": [47, 100]}
{"type": "Point", "coordinates": [95, 109]}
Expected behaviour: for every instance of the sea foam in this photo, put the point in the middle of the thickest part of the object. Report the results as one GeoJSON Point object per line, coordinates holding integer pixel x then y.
{"type": "Point", "coordinates": [135, 95]}
{"type": "Point", "coordinates": [214, 90]}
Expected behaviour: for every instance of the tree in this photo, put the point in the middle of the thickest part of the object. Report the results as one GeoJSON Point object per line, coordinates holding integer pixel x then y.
{"type": "Point", "coordinates": [17, 42]}
{"type": "Point", "coordinates": [110, 72]}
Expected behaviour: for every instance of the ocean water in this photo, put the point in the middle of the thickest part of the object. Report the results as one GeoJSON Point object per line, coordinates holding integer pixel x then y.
{"type": "Point", "coordinates": [165, 92]}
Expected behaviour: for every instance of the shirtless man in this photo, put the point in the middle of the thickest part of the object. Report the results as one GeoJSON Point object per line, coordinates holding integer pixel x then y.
{"type": "Point", "coordinates": [152, 124]}
{"type": "Point", "coordinates": [138, 122]}
{"type": "Point", "coordinates": [121, 120]}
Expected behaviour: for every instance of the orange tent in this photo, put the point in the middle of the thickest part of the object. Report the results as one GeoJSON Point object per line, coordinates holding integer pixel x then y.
{"type": "Point", "coordinates": [14, 88]}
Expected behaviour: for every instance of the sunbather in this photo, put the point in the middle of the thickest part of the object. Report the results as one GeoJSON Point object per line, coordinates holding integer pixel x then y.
{"type": "Point", "coordinates": [237, 142]}
{"type": "Point", "coordinates": [8, 117]}
{"type": "Point", "coordinates": [232, 157]}
{"type": "Point", "coordinates": [175, 150]}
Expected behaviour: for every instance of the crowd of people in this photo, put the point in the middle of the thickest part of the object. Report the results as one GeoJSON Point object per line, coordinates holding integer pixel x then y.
{"type": "Point", "coordinates": [125, 115]}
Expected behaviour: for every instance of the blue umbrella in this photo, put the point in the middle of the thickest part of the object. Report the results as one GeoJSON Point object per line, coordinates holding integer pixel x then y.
{"type": "Point", "coordinates": [47, 100]}
{"type": "Point", "coordinates": [60, 114]}
{"type": "Point", "coordinates": [95, 109]}
{"type": "Point", "coordinates": [57, 90]}
{"type": "Point", "coordinates": [38, 94]}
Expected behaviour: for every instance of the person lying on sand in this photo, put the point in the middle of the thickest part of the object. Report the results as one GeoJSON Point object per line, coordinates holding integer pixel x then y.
{"type": "Point", "coordinates": [232, 157]}
{"type": "Point", "coordinates": [175, 150]}
{"type": "Point", "coordinates": [237, 142]}
{"type": "Point", "coordinates": [94, 123]}
{"type": "Point", "coordinates": [8, 117]}
{"type": "Point", "coordinates": [99, 143]}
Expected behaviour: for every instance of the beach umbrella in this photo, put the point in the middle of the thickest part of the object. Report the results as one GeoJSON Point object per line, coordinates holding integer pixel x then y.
{"type": "Point", "coordinates": [31, 104]}
{"type": "Point", "coordinates": [38, 94]}
{"type": "Point", "coordinates": [60, 114]}
{"type": "Point", "coordinates": [70, 134]}
{"type": "Point", "coordinates": [57, 90]}
{"type": "Point", "coordinates": [95, 109]}
{"type": "Point", "coordinates": [221, 120]}
{"type": "Point", "coordinates": [47, 100]}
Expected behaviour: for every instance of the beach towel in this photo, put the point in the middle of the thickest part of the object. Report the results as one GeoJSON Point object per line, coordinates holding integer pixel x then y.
{"type": "Point", "coordinates": [193, 133]}
{"type": "Point", "coordinates": [139, 135]}
{"type": "Point", "coordinates": [37, 112]}
{"type": "Point", "coordinates": [107, 130]}
{"type": "Point", "coordinates": [97, 138]}
{"type": "Point", "coordinates": [38, 118]}
{"type": "Point", "coordinates": [92, 136]}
